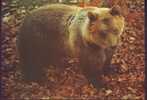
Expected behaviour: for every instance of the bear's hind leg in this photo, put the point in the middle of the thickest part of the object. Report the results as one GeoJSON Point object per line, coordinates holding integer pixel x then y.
{"type": "Point", "coordinates": [32, 71]}
{"type": "Point", "coordinates": [32, 67]}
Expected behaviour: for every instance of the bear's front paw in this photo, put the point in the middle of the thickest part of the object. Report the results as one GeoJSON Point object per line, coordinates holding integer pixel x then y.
{"type": "Point", "coordinates": [98, 84]}
{"type": "Point", "coordinates": [112, 69]}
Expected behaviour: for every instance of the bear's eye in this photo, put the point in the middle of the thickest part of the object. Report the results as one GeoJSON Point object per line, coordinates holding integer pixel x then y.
{"type": "Point", "coordinates": [115, 31]}
{"type": "Point", "coordinates": [106, 21]}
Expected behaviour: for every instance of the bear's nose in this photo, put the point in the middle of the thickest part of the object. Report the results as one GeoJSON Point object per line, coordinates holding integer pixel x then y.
{"type": "Point", "coordinates": [103, 33]}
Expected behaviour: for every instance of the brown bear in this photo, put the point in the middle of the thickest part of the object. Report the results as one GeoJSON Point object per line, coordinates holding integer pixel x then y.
{"type": "Point", "coordinates": [52, 32]}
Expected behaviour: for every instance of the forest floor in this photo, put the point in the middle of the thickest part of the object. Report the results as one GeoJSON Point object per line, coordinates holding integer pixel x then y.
{"type": "Point", "coordinates": [71, 84]}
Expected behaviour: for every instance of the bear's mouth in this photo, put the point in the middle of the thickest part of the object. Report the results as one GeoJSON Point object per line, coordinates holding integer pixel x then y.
{"type": "Point", "coordinates": [93, 45]}
{"type": "Point", "coordinates": [104, 45]}
{"type": "Point", "coordinates": [98, 44]}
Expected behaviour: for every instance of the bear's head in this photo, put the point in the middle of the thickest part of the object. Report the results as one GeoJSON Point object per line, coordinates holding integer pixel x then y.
{"type": "Point", "coordinates": [105, 26]}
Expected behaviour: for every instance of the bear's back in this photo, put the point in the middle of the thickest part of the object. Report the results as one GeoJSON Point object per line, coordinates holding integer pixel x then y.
{"type": "Point", "coordinates": [51, 18]}
{"type": "Point", "coordinates": [43, 34]}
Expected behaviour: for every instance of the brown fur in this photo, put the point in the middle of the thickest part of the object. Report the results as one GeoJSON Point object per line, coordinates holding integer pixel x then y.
{"type": "Point", "coordinates": [50, 33]}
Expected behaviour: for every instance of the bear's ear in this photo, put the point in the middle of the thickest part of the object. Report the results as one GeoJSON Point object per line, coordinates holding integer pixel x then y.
{"type": "Point", "coordinates": [92, 16]}
{"type": "Point", "coordinates": [115, 10]}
